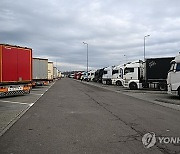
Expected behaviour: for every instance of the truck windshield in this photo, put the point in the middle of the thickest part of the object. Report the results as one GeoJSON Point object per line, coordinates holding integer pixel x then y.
{"type": "Point", "coordinates": [178, 67]}
{"type": "Point", "coordinates": [105, 72]}
{"type": "Point", "coordinates": [114, 71]}
{"type": "Point", "coordinates": [128, 70]}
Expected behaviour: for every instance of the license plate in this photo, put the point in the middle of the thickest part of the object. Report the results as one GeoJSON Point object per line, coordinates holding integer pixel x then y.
{"type": "Point", "coordinates": [15, 88]}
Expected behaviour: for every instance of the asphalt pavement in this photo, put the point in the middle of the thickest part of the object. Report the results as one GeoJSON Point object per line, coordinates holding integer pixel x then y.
{"type": "Point", "coordinates": [73, 117]}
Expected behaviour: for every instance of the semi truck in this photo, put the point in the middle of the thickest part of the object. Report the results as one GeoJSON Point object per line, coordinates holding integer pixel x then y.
{"type": "Point", "coordinates": [40, 71]}
{"type": "Point", "coordinates": [15, 70]}
{"type": "Point", "coordinates": [79, 74]}
{"type": "Point", "coordinates": [55, 73]}
{"type": "Point", "coordinates": [107, 75]}
{"type": "Point", "coordinates": [91, 75]}
{"type": "Point", "coordinates": [149, 74]}
{"type": "Point", "coordinates": [117, 75]}
{"type": "Point", "coordinates": [84, 76]}
{"type": "Point", "coordinates": [173, 79]}
{"type": "Point", "coordinates": [59, 74]}
{"type": "Point", "coordinates": [98, 75]}
{"type": "Point", "coordinates": [50, 71]}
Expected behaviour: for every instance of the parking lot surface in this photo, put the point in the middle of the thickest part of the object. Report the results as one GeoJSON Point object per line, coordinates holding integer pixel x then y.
{"type": "Point", "coordinates": [12, 108]}
{"type": "Point", "coordinates": [75, 117]}
{"type": "Point", "coordinates": [150, 95]}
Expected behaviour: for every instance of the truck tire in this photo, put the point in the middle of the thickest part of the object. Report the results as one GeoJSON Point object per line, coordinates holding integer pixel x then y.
{"type": "Point", "coordinates": [108, 82]}
{"type": "Point", "coordinates": [118, 83]}
{"type": "Point", "coordinates": [133, 86]}
{"type": "Point", "coordinates": [163, 86]}
{"type": "Point", "coordinates": [179, 92]}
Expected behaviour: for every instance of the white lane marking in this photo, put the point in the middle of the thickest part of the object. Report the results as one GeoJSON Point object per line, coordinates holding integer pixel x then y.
{"type": "Point", "coordinates": [21, 113]}
{"type": "Point", "coordinates": [36, 94]}
{"type": "Point", "coordinates": [15, 102]}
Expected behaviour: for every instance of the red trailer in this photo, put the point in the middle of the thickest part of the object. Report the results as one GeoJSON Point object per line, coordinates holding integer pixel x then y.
{"type": "Point", "coordinates": [15, 70]}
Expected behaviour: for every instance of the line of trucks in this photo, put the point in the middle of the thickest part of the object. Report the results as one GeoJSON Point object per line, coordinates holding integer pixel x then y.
{"type": "Point", "coordinates": [157, 73]}
{"type": "Point", "coordinates": [19, 71]}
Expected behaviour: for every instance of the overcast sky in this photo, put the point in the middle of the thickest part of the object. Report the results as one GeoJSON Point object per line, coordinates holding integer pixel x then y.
{"type": "Point", "coordinates": [113, 29]}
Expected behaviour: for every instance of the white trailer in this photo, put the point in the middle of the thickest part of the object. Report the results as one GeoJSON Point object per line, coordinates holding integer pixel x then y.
{"type": "Point", "coordinates": [117, 75]}
{"type": "Point", "coordinates": [173, 79]}
{"type": "Point", "coordinates": [40, 71]}
{"type": "Point", "coordinates": [55, 73]}
{"type": "Point", "coordinates": [50, 71]}
{"type": "Point", "coordinates": [59, 74]}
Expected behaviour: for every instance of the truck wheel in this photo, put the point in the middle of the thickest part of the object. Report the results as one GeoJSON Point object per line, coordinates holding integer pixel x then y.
{"type": "Point", "coordinates": [119, 83]}
{"type": "Point", "coordinates": [163, 86]}
{"type": "Point", "coordinates": [108, 82]}
{"type": "Point", "coordinates": [179, 92]}
{"type": "Point", "coordinates": [133, 86]}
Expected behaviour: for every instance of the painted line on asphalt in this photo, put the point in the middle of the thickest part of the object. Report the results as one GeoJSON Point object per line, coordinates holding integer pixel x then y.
{"type": "Point", "coordinates": [15, 102]}
{"type": "Point", "coordinates": [36, 94]}
{"type": "Point", "coordinates": [10, 124]}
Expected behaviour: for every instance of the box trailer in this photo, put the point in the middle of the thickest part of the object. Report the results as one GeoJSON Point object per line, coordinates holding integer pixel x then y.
{"type": "Point", "coordinates": [149, 74]}
{"type": "Point", "coordinates": [59, 74]}
{"type": "Point", "coordinates": [40, 71]}
{"type": "Point", "coordinates": [55, 73]}
{"type": "Point", "coordinates": [50, 71]}
{"type": "Point", "coordinates": [15, 70]}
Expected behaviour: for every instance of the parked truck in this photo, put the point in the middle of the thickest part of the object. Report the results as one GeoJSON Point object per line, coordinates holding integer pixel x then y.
{"type": "Point", "coordinates": [117, 75]}
{"type": "Point", "coordinates": [149, 74]}
{"type": "Point", "coordinates": [98, 75]}
{"type": "Point", "coordinates": [59, 74]}
{"type": "Point", "coordinates": [91, 75]}
{"type": "Point", "coordinates": [55, 73]}
{"type": "Point", "coordinates": [173, 79]}
{"type": "Point", "coordinates": [15, 70]}
{"type": "Point", "coordinates": [50, 71]}
{"type": "Point", "coordinates": [84, 76]}
{"type": "Point", "coordinates": [107, 75]}
{"type": "Point", "coordinates": [40, 71]}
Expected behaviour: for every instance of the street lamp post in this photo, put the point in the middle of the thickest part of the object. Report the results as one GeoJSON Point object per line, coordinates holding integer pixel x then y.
{"type": "Point", "coordinates": [145, 45]}
{"type": "Point", "coordinates": [87, 58]}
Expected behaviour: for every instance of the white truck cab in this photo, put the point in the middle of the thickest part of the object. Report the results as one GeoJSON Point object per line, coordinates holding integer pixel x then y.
{"type": "Point", "coordinates": [91, 75]}
{"type": "Point", "coordinates": [133, 74]}
{"type": "Point", "coordinates": [173, 79]}
{"type": "Point", "coordinates": [107, 75]}
{"type": "Point", "coordinates": [117, 75]}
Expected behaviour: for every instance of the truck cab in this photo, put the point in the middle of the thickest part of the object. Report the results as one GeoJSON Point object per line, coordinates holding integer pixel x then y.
{"type": "Point", "coordinates": [117, 75]}
{"type": "Point", "coordinates": [91, 75]}
{"type": "Point", "coordinates": [84, 76]}
{"type": "Point", "coordinates": [98, 75]}
{"type": "Point", "coordinates": [173, 79]}
{"type": "Point", "coordinates": [133, 75]}
{"type": "Point", "coordinates": [107, 75]}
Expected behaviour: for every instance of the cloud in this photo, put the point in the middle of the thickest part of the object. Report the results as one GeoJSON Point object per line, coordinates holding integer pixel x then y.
{"type": "Point", "coordinates": [55, 29]}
